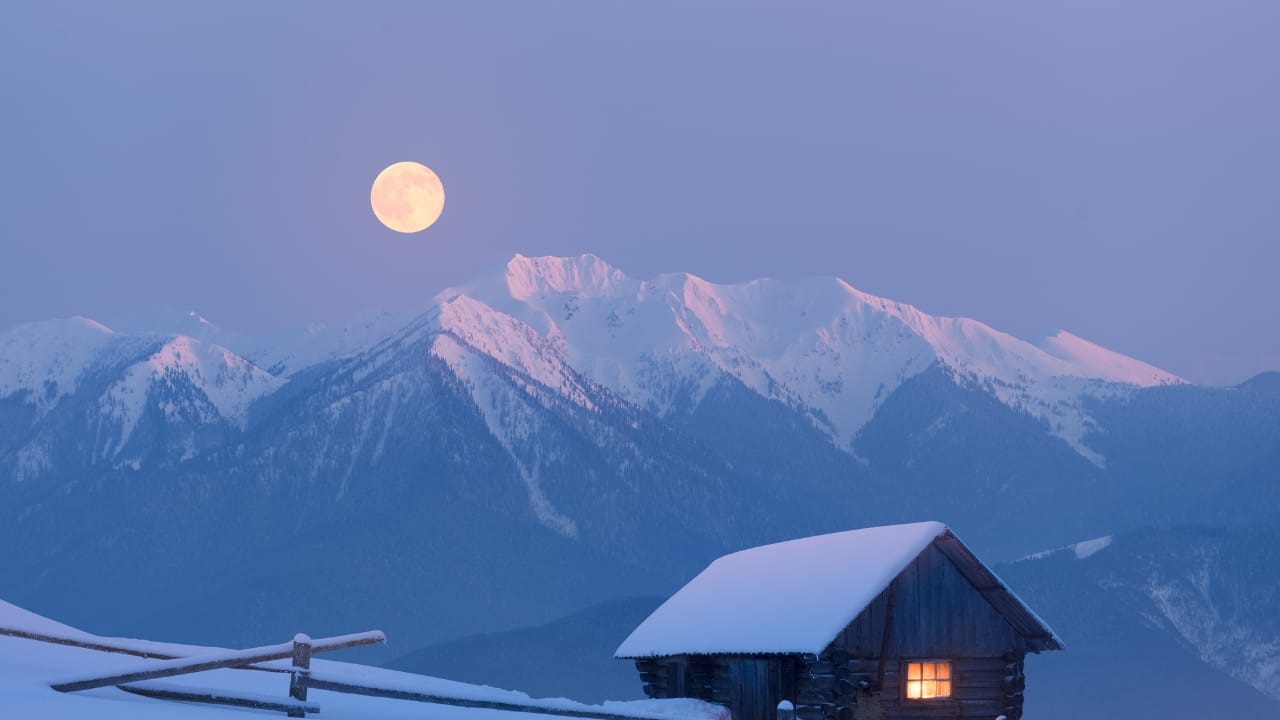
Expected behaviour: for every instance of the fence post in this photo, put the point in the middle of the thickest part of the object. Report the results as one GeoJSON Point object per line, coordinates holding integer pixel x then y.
{"type": "Point", "coordinates": [301, 669]}
{"type": "Point", "coordinates": [786, 710]}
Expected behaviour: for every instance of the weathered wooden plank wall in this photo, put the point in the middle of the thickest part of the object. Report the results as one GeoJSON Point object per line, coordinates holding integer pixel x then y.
{"type": "Point", "coordinates": [937, 613]}
{"type": "Point", "coordinates": [930, 611]}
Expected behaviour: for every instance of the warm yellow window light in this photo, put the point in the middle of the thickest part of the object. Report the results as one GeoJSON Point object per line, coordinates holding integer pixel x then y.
{"type": "Point", "coordinates": [928, 680]}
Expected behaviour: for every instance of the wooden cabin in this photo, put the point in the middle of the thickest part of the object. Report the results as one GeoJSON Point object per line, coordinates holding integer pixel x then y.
{"type": "Point", "coordinates": [888, 622]}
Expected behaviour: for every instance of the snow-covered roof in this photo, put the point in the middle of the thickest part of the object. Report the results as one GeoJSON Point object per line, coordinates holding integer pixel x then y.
{"type": "Point", "coordinates": [748, 602]}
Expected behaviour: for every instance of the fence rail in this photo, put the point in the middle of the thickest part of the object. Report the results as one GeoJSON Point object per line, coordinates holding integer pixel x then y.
{"type": "Point", "coordinates": [215, 661]}
{"type": "Point", "coordinates": [106, 645]}
{"type": "Point", "coordinates": [164, 691]}
{"type": "Point", "coordinates": [99, 644]}
{"type": "Point", "coordinates": [138, 680]}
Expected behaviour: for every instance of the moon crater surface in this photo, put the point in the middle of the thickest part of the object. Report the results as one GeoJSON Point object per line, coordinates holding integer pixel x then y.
{"type": "Point", "coordinates": [407, 197]}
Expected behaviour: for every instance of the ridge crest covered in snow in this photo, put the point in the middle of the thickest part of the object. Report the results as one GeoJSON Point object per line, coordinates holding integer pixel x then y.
{"type": "Point", "coordinates": [820, 346]}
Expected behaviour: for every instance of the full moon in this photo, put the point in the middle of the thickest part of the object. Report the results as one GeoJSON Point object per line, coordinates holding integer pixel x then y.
{"type": "Point", "coordinates": [407, 197]}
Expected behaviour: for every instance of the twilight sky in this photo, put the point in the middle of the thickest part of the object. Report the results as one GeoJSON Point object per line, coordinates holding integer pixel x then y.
{"type": "Point", "coordinates": [1110, 167]}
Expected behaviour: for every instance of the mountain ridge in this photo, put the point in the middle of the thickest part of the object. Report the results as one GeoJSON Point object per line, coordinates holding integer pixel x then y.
{"type": "Point", "coordinates": [817, 344]}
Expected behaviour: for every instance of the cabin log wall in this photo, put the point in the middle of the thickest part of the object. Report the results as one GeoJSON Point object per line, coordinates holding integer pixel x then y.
{"type": "Point", "coordinates": [827, 686]}
{"type": "Point", "coordinates": [937, 614]}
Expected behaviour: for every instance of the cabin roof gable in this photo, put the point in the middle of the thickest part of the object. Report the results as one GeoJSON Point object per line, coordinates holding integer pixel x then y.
{"type": "Point", "coordinates": [794, 597]}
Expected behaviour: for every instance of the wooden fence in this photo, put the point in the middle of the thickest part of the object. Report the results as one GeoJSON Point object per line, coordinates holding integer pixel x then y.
{"type": "Point", "coordinates": [299, 650]}
{"type": "Point", "coordinates": [114, 645]}
{"type": "Point", "coordinates": [140, 680]}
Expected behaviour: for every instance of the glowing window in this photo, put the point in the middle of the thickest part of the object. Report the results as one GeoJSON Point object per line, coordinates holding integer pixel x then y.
{"type": "Point", "coordinates": [928, 680]}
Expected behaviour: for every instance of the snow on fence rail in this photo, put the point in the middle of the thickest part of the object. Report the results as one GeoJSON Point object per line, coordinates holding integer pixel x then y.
{"type": "Point", "coordinates": [182, 693]}
{"type": "Point", "coordinates": [138, 681]}
{"type": "Point", "coordinates": [214, 661]}
{"type": "Point", "coordinates": [136, 648]}
{"type": "Point", "coordinates": [123, 646]}
{"type": "Point", "coordinates": [83, 643]}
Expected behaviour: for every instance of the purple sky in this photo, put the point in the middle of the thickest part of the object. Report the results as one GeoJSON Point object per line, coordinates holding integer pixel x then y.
{"type": "Point", "coordinates": [1111, 168]}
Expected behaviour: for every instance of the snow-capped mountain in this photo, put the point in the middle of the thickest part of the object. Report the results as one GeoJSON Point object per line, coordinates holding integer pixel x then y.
{"type": "Point", "coordinates": [282, 353]}
{"type": "Point", "coordinates": [42, 362]}
{"type": "Point", "coordinates": [817, 345]}
{"type": "Point", "coordinates": [225, 385]}
{"type": "Point", "coordinates": [112, 381]}
{"type": "Point", "coordinates": [557, 434]}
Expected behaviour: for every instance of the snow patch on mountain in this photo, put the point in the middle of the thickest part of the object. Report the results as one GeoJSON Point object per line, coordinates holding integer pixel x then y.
{"type": "Point", "coordinates": [1088, 548]}
{"type": "Point", "coordinates": [227, 382]}
{"type": "Point", "coordinates": [1187, 602]}
{"type": "Point", "coordinates": [510, 414]}
{"type": "Point", "coordinates": [31, 461]}
{"type": "Point", "coordinates": [1082, 550]}
{"type": "Point", "coordinates": [46, 359]}
{"type": "Point", "coordinates": [1106, 363]}
{"type": "Point", "coordinates": [514, 344]}
{"type": "Point", "coordinates": [372, 410]}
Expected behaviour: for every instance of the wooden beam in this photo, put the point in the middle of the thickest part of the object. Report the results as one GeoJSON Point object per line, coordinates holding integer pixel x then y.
{"type": "Point", "coordinates": [201, 663]}
{"type": "Point", "coordinates": [86, 644]}
{"type": "Point", "coordinates": [164, 691]}
{"type": "Point", "coordinates": [105, 645]}
{"type": "Point", "coordinates": [301, 667]}
{"type": "Point", "coordinates": [1001, 598]}
{"type": "Point", "coordinates": [886, 638]}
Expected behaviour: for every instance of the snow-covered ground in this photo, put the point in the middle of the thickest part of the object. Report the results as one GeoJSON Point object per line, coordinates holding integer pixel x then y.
{"type": "Point", "coordinates": [28, 666]}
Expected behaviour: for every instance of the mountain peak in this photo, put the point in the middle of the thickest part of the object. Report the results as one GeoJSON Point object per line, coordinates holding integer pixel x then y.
{"type": "Point", "coordinates": [587, 274]}
{"type": "Point", "coordinates": [46, 358]}
{"type": "Point", "coordinates": [660, 343]}
{"type": "Point", "coordinates": [818, 343]}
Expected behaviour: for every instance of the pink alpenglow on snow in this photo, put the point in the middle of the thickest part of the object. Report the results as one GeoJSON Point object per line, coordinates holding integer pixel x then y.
{"type": "Point", "coordinates": [818, 343]}
{"type": "Point", "coordinates": [1106, 363]}
{"type": "Point", "coordinates": [660, 343]}
{"type": "Point", "coordinates": [46, 358]}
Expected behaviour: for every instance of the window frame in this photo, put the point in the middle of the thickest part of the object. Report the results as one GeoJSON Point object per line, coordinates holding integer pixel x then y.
{"type": "Point", "coordinates": [948, 699]}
